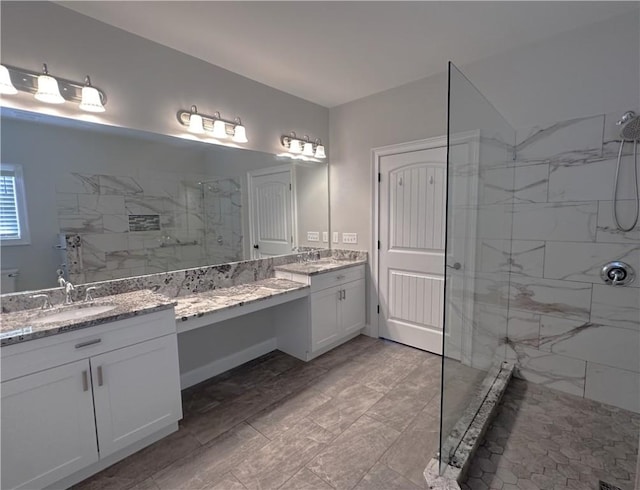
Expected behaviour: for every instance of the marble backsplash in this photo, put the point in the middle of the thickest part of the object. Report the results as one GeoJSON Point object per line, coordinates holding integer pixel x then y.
{"type": "Point", "coordinates": [567, 329]}
{"type": "Point", "coordinates": [109, 218]}
{"type": "Point", "coordinates": [178, 283]}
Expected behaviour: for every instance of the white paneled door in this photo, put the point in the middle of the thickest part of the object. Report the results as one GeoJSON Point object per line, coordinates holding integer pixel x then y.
{"type": "Point", "coordinates": [412, 210]}
{"type": "Point", "coordinates": [271, 213]}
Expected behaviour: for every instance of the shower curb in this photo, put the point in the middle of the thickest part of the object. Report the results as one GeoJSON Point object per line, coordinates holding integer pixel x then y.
{"type": "Point", "coordinates": [456, 469]}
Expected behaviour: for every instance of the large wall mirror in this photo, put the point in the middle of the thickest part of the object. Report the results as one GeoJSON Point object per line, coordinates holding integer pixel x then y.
{"type": "Point", "coordinates": [137, 203]}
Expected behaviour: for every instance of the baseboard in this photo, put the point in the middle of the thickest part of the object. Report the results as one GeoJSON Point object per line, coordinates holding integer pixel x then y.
{"type": "Point", "coordinates": [218, 366]}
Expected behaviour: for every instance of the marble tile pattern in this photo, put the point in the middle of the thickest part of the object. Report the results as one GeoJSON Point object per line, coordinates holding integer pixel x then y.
{"type": "Point", "coordinates": [542, 439]}
{"type": "Point", "coordinates": [176, 283]}
{"type": "Point", "coordinates": [151, 218]}
{"type": "Point", "coordinates": [271, 423]}
{"type": "Point", "coordinates": [565, 326]}
{"type": "Point", "coordinates": [205, 303]}
{"type": "Point", "coordinates": [19, 327]}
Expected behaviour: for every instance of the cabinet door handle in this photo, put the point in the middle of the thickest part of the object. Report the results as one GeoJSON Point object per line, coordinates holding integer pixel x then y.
{"type": "Point", "coordinates": [344, 294]}
{"type": "Point", "coordinates": [100, 378]}
{"type": "Point", "coordinates": [85, 381]}
{"type": "Point", "coordinates": [88, 343]}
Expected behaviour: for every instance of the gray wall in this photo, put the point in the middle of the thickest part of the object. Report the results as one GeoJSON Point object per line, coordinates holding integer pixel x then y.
{"type": "Point", "coordinates": [146, 82]}
{"type": "Point", "coordinates": [587, 71]}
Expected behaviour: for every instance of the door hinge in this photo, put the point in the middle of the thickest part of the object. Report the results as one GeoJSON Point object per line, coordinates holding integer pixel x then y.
{"type": "Point", "coordinates": [378, 244]}
{"type": "Point", "coordinates": [378, 309]}
{"type": "Point", "coordinates": [289, 186]}
{"type": "Point", "coordinates": [379, 177]}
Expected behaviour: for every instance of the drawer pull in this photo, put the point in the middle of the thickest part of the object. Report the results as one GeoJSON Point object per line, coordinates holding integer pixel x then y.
{"type": "Point", "coordinates": [344, 294]}
{"type": "Point", "coordinates": [85, 381]}
{"type": "Point", "coordinates": [88, 343]}
{"type": "Point", "coordinates": [100, 378]}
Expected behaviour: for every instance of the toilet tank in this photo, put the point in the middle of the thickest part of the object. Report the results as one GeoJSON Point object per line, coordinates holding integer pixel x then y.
{"type": "Point", "coordinates": [8, 279]}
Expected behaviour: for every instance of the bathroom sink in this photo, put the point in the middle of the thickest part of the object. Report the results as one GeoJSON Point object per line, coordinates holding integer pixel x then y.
{"type": "Point", "coordinates": [74, 314]}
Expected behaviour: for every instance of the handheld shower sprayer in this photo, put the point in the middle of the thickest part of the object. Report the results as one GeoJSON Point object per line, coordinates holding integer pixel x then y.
{"type": "Point", "coordinates": [630, 131]}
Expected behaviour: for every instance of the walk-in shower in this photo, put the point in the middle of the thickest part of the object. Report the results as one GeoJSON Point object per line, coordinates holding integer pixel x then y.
{"type": "Point", "coordinates": [545, 283]}
{"type": "Point", "coordinates": [630, 131]}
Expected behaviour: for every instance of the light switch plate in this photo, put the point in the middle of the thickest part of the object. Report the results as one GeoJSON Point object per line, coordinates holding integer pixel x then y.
{"type": "Point", "coordinates": [313, 236]}
{"type": "Point", "coordinates": [336, 238]}
{"type": "Point", "coordinates": [349, 238]}
{"type": "Point", "coordinates": [325, 236]}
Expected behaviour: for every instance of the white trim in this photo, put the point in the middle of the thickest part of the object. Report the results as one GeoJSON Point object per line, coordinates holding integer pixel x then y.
{"type": "Point", "coordinates": [219, 366]}
{"type": "Point", "coordinates": [473, 137]}
{"type": "Point", "coordinates": [287, 167]}
{"type": "Point", "coordinates": [376, 155]}
{"type": "Point", "coordinates": [21, 204]}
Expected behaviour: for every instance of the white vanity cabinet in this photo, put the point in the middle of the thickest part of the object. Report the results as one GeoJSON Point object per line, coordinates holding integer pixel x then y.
{"type": "Point", "coordinates": [95, 394]}
{"type": "Point", "coordinates": [336, 312]}
{"type": "Point", "coordinates": [48, 429]}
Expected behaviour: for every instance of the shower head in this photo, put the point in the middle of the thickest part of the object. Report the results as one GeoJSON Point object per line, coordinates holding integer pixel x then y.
{"type": "Point", "coordinates": [630, 126]}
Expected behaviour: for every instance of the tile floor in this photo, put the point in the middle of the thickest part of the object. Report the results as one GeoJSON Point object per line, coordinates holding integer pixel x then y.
{"type": "Point", "coordinates": [364, 416]}
{"type": "Point", "coordinates": [542, 439]}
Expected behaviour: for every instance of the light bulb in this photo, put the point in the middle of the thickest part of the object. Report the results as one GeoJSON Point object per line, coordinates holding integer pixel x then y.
{"type": "Point", "coordinates": [320, 152]}
{"type": "Point", "coordinates": [48, 90]}
{"type": "Point", "coordinates": [91, 100]}
{"type": "Point", "coordinates": [308, 149]}
{"type": "Point", "coordinates": [195, 121]}
{"type": "Point", "coordinates": [240, 134]}
{"type": "Point", "coordinates": [6, 85]}
{"type": "Point", "coordinates": [295, 147]}
{"type": "Point", "coordinates": [219, 129]}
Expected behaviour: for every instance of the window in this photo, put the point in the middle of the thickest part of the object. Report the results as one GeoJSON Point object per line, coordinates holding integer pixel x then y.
{"type": "Point", "coordinates": [14, 229]}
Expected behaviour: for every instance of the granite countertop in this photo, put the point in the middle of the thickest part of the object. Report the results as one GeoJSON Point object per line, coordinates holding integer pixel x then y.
{"type": "Point", "coordinates": [200, 304]}
{"type": "Point", "coordinates": [24, 325]}
{"type": "Point", "coordinates": [319, 266]}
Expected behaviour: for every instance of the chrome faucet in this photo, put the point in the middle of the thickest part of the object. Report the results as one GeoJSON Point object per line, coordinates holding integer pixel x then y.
{"type": "Point", "coordinates": [68, 289]}
{"type": "Point", "coordinates": [88, 296]}
{"type": "Point", "coordinates": [47, 301]}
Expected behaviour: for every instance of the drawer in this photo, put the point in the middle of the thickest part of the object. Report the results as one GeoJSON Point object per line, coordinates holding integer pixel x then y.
{"type": "Point", "coordinates": [36, 355]}
{"type": "Point", "coordinates": [335, 278]}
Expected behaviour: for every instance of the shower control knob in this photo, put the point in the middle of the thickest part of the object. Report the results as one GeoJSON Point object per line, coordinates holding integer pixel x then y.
{"type": "Point", "coordinates": [617, 273]}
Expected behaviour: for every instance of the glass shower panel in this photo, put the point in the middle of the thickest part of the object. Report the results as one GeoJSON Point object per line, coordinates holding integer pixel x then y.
{"type": "Point", "coordinates": [478, 244]}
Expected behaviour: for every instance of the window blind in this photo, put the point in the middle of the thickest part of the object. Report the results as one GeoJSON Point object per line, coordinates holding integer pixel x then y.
{"type": "Point", "coordinates": [9, 214]}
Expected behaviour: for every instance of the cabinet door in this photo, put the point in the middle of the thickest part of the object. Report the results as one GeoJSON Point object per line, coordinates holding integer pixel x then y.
{"type": "Point", "coordinates": [136, 392]}
{"type": "Point", "coordinates": [48, 429]}
{"type": "Point", "coordinates": [352, 306]}
{"type": "Point", "coordinates": [324, 318]}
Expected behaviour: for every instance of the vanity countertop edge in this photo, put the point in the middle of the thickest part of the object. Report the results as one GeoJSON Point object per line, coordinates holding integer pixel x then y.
{"type": "Point", "coordinates": [313, 268]}
{"type": "Point", "coordinates": [17, 327]}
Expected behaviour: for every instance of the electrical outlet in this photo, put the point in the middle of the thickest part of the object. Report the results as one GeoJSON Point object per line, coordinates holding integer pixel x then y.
{"type": "Point", "coordinates": [349, 238]}
{"type": "Point", "coordinates": [313, 236]}
{"type": "Point", "coordinates": [336, 238]}
{"type": "Point", "coordinates": [325, 236]}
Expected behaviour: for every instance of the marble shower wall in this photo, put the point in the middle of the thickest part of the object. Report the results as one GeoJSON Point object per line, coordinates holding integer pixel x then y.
{"type": "Point", "coordinates": [567, 329]}
{"type": "Point", "coordinates": [120, 226]}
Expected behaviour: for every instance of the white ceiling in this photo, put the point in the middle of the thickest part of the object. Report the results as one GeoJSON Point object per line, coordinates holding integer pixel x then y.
{"type": "Point", "coordinates": [334, 52]}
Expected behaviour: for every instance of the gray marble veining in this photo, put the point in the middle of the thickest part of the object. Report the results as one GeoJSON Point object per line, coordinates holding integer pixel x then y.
{"type": "Point", "coordinates": [19, 326]}
{"type": "Point", "coordinates": [206, 303]}
{"type": "Point", "coordinates": [315, 267]}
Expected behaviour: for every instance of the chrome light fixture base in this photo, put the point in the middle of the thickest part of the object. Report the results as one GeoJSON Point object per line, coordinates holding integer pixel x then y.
{"type": "Point", "coordinates": [303, 146]}
{"type": "Point", "coordinates": [27, 81]}
{"type": "Point", "coordinates": [233, 129]}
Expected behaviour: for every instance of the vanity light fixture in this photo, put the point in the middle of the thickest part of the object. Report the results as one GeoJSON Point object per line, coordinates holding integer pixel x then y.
{"type": "Point", "coordinates": [48, 89]}
{"type": "Point", "coordinates": [303, 146]}
{"type": "Point", "coordinates": [51, 90]}
{"type": "Point", "coordinates": [91, 99]}
{"type": "Point", "coordinates": [6, 85]}
{"type": "Point", "coordinates": [195, 121]}
{"type": "Point", "coordinates": [215, 125]}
